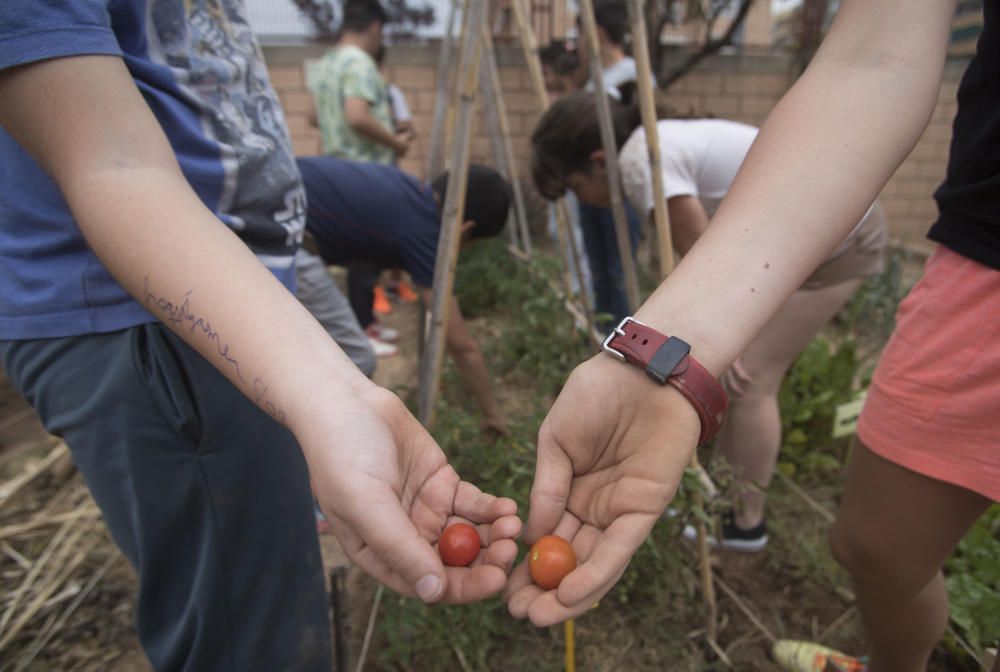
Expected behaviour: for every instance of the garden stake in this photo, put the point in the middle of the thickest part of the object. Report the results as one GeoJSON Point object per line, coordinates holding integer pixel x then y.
{"type": "Point", "coordinates": [435, 162]}
{"type": "Point", "coordinates": [570, 641]}
{"type": "Point", "coordinates": [610, 156]}
{"type": "Point", "coordinates": [661, 218]}
{"type": "Point", "coordinates": [503, 151]}
{"type": "Point", "coordinates": [647, 107]}
{"type": "Point", "coordinates": [451, 217]}
{"type": "Point", "coordinates": [529, 47]}
{"type": "Point", "coordinates": [341, 619]}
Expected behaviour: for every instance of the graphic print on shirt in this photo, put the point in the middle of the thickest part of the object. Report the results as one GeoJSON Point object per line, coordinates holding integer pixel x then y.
{"type": "Point", "coordinates": [211, 51]}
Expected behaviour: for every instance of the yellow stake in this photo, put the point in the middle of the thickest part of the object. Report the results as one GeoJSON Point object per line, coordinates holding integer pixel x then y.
{"type": "Point", "coordinates": [570, 646]}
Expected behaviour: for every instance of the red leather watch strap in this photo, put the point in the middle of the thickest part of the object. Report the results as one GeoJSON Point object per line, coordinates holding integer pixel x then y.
{"type": "Point", "coordinates": [652, 351]}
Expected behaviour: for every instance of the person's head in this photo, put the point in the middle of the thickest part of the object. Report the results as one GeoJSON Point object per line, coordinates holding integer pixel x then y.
{"type": "Point", "coordinates": [362, 24]}
{"type": "Point", "coordinates": [560, 68]}
{"type": "Point", "coordinates": [611, 17]}
{"type": "Point", "coordinates": [566, 148]}
{"type": "Point", "coordinates": [487, 200]}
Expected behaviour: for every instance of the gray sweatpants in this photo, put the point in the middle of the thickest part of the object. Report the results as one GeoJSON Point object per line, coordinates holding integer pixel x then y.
{"type": "Point", "coordinates": [206, 496]}
{"type": "Point", "coordinates": [319, 293]}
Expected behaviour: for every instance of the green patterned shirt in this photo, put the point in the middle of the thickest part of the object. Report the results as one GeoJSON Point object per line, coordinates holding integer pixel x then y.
{"type": "Point", "coordinates": [342, 73]}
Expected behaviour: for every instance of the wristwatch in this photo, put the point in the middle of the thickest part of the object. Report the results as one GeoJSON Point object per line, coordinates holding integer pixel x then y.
{"type": "Point", "coordinates": [666, 360]}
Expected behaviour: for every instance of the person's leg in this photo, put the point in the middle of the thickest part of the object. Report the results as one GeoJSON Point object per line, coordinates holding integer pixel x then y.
{"type": "Point", "coordinates": [597, 256]}
{"type": "Point", "coordinates": [893, 532]}
{"type": "Point", "coordinates": [750, 438]}
{"type": "Point", "coordinates": [361, 283]}
{"type": "Point", "coordinates": [319, 293]}
{"type": "Point", "coordinates": [207, 497]}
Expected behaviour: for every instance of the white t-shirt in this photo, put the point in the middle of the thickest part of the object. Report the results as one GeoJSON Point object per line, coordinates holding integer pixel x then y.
{"type": "Point", "coordinates": [397, 103]}
{"type": "Point", "coordinates": [699, 157]}
{"type": "Point", "coordinates": [622, 72]}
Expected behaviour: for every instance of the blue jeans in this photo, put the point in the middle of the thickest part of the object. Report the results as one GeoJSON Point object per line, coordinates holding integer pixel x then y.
{"type": "Point", "coordinates": [205, 494]}
{"type": "Point", "coordinates": [607, 276]}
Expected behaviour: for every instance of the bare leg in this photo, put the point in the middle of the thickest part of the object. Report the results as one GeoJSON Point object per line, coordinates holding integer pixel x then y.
{"type": "Point", "coordinates": [751, 436]}
{"type": "Point", "coordinates": [893, 532]}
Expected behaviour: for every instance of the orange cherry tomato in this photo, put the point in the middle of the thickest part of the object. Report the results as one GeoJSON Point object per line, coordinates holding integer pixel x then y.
{"type": "Point", "coordinates": [459, 545]}
{"type": "Point", "coordinates": [551, 558]}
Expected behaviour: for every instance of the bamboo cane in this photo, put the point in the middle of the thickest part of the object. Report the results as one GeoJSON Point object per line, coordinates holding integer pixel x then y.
{"type": "Point", "coordinates": [610, 156]}
{"type": "Point", "coordinates": [435, 161]}
{"type": "Point", "coordinates": [499, 130]}
{"type": "Point", "coordinates": [451, 217]}
{"type": "Point", "coordinates": [647, 107]}
{"type": "Point", "coordinates": [529, 46]}
{"type": "Point", "coordinates": [661, 219]}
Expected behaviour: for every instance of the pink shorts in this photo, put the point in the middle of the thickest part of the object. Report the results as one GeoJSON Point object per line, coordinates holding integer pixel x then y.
{"type": "Point", "coordinates": [934, 404]}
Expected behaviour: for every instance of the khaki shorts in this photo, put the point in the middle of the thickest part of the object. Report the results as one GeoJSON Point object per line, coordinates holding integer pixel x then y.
{"type": "Point", "coordinates": [860, 256]}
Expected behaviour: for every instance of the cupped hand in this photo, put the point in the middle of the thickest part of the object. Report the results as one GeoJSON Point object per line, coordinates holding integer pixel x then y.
{"type": "Point", "coordinates": [611, 454]}
{"type": "Point", "coordinates": [388, 492]}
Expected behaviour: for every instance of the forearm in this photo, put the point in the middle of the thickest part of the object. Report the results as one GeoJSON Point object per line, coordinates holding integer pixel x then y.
{"type": "Point", "coordinates": [85, 123]}
{"type": "Point", "coordinates": [366, 125]}
{"type": "Point", "coordinates": [820, 160]}
{"type": "Point", "coordinates": [170, 252]}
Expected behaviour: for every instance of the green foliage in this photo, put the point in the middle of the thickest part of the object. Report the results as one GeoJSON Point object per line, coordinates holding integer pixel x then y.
{"type": "Point", "coordinates": [974, 582]}
{"type": "Point", "coordinates": [821, 378]}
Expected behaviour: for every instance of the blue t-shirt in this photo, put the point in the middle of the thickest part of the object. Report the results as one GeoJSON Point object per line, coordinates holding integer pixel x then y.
{"type": "Point", "coordinates": [198, 65]}
{"type": "Point", "coordinates": [371, 212]}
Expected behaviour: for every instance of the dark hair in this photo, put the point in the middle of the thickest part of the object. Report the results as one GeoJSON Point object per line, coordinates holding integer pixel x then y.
{"type": "Point", "coordinates": [612, 16]}
{"type": "Point", "coordinates": [487, 199]}
{"type": "Point", "coordinates": [359, 15]}
{"type": "Point", "coordinates": [558, 56]}
{"type": "Point", "coordinates": [567, 134]}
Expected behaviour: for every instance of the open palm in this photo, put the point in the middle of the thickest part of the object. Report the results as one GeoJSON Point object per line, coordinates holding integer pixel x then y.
{"type": "Point", "coordinates": [608, 465]}
{"type": "Point", "coordinates": [388, 491]}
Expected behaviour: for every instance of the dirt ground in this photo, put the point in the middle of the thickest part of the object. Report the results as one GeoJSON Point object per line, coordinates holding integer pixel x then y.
{"type": "Point", "coordinates": [777, 586]}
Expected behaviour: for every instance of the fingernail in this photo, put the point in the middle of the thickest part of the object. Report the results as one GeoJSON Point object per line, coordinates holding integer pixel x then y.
{"type": "Point", "coordinates": [429, 588]}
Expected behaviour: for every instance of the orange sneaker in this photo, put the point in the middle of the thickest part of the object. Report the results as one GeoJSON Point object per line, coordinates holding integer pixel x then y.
{"type": "Point", "coordinates": [381, 305]}
{"type": "Point", "coordinates": [795, 656]}
{"type": "Point", "coordinates": [405, 292]}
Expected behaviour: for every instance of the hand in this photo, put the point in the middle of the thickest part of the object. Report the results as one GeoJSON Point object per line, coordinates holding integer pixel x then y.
{"type": "Point", "coordinates": [736, 379]}
{"type": "Point", "coordinates": [402, 144]}
{"type": "Point", "coordinates": [611, 454]}
{"type": "Point", "coordinates": [388, 492]}
{"type": "Point", "coordinates": [495, 424]}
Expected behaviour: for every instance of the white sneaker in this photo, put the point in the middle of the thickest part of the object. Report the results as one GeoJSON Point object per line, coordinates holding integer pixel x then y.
{"type": "Point", "coordinates": [382, 333]}
{"type": "Point", "coordinates": [381, 348]}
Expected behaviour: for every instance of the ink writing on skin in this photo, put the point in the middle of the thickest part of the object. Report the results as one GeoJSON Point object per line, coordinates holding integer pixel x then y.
{"type": "Point", "coordinates": [180, 315]}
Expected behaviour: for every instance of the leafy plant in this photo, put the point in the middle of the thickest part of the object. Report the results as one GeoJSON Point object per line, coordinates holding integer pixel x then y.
{"type": "Point", "coordinates": [822, 377]}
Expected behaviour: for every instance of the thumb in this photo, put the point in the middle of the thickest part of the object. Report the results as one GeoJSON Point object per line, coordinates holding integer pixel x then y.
{"type": "Point", "coordinates": [390, 548]}
{"type": "Point", "coordinates": [550, 490]}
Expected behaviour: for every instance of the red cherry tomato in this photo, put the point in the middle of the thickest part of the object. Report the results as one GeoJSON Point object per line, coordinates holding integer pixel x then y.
{"type": "Point", "coordinates": [551, 558]}
{"type": "Point", "coordinates": [459, 545]}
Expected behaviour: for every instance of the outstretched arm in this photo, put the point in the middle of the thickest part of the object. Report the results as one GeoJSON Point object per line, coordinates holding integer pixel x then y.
{"type": "Point", "coordinates": [818, 163]}
{"type": "Point", "coordinates": [85, 122]}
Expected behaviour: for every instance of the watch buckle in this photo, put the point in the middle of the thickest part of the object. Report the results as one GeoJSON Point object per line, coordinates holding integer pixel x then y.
{"type": "Point", "coordinates": [618, 331]}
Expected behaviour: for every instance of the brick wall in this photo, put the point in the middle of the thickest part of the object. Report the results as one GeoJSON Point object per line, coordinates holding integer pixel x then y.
{"type": "Point", "coordinates": [739, 87]}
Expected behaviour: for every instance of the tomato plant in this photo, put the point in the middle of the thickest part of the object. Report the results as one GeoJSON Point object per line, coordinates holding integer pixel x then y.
{"type": "Point", "coordinates": [551, 559]}
{"type": "Point", "coordinates": [459, 545]}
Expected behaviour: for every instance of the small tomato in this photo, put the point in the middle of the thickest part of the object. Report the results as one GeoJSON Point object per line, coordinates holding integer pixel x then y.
{"type": "Point", "coordinates": [551, 558]}
{"type": "Point", "coordinates": [459, 545]}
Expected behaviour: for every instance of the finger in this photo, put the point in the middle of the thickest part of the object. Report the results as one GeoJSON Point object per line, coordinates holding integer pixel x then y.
{"type": "Point", "coordinates": [547, 610]}
{"type": "Point", "coordinates": [505, 527]}
{"type": "Point", "coordinates": [479, 507]}
{"type": "Point", "coordinates": [551, 487]}
{"type": "Point", "coordinates": [472, 584]}
{"type": "Point", "coordinates": [500, 554]}
{"type": "Point", "coordinates": [607, 559]}
{"type": "Point", "coordinates": [399, 556]}
{"type": "Point", "coordinates": [520, 591]}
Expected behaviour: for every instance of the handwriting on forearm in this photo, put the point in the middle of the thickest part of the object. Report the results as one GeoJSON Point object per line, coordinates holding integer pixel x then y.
{"type": "Point", "coordinates": [180, 316]}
